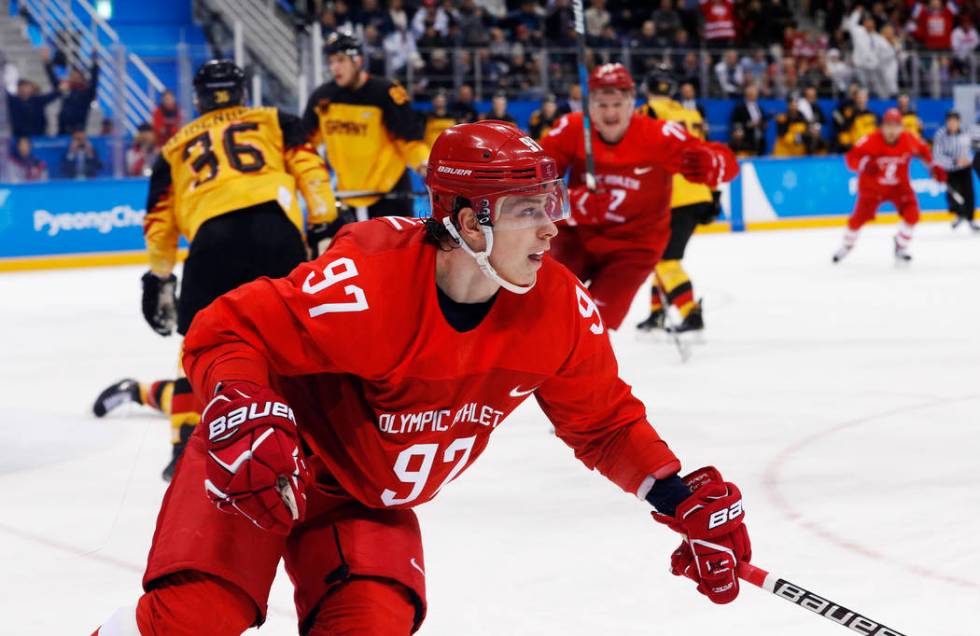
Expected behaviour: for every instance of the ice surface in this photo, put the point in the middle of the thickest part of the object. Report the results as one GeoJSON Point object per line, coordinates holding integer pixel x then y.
{"type": "Point", "coordinates": [842, 399]}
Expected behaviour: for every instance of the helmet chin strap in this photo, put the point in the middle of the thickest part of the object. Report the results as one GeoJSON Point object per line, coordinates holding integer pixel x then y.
{"type": "Point", "coordinates": [483, 258]}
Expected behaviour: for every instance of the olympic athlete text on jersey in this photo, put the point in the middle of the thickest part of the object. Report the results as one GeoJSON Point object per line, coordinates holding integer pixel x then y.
{"type": "Point", "coordinates": [881, 160]}
{"type": "Point", "coordinates": [228, 183]}
{"type": "Point", "coordinates": [617, 234]}
{"type": "Point", "coordinates": [322, 436]}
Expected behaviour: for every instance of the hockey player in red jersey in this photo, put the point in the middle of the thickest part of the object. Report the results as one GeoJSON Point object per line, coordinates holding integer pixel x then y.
{"type": "Point", "coordinates": [617, 233]}
{"type": "Point", "coordinates": [881, 160]}
{"type": "Point", "coordinates": [359, 386]}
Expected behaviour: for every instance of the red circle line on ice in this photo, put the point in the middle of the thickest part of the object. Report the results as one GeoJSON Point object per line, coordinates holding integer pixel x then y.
{"type": "Point", "coordinates": [771, 479]}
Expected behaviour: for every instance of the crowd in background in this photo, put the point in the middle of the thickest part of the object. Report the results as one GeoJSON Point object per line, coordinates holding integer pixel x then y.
{"type": "Point", "coordinates": [457, 50]}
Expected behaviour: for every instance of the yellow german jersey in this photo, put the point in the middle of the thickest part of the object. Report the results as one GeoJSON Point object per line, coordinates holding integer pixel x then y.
{"type": "Point", "coordinates": [854, 125]}
{"type": "Point", "coordinates": [370, 133]}
{"type": "Point", "coordinates": [684, 192]}
{"type": "Point", "coordinates": [789, 135]}
{"type": "Point", "coordinates": [539, 124]}
{"type": "Point", "coordinates": [912, 123]}
{"type": "Point", "coordinates": [227, 160]}
{"type": "Point", "coordinates": [435, 124]}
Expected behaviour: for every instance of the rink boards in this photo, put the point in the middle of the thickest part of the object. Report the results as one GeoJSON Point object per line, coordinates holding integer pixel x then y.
{"type": "Point", "coordinates": [99, 222]}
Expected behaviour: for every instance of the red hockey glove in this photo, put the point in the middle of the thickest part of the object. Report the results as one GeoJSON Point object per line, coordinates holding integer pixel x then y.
{"type": "Point", "coordinates": [715, 539]}
{"type": "Point", "coordinates": [938, 173]}
{"type": "Point", "coordinates": [590, 207]}
{"type": "Point", "coordinates": [255, 468]}
{"type": "Point", "coordinates": [709, 163]}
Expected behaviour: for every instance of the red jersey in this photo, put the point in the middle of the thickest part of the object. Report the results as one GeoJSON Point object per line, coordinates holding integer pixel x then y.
{"type": "Point", "coordinates": [395, 401]}
{"type": "Point", "coordinates": [637, 171]}
{"type": "Point", "coordinates": [893, 161]}
{"type": "Point", "coordinates": [934, 28]}
{"type": "Point", "coordinates": [719, 19]}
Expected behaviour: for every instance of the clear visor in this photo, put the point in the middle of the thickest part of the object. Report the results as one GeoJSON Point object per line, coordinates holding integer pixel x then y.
{"type": "Point", "coordinates": [529, 207]}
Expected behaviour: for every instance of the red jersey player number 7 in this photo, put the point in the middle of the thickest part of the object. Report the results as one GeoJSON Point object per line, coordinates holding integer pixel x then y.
{"type": "Point", "coordinates": [366, 381]}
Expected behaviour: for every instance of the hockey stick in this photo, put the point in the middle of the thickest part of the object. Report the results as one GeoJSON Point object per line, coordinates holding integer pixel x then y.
{"type": "Point", "coordinates": [956, 195]}
{"type": "Point", "coordinates": [357, 194]}
{"type": "Point", "coordinates": [583, 81]}
{"type": "Point", "coordinates": [683, 348]}
{"type": "Point", "coordinates": [816, 604]}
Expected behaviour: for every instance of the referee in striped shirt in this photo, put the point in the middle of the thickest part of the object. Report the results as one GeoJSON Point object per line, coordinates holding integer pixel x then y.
{"type": "Point", "coordinates": [951, 150]}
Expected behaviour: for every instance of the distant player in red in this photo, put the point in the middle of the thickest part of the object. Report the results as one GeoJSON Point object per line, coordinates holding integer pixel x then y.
{"type": "Point", "coordinates": [618, 233]}
{"type": "Point", "coordinates": [363, 383]}
{"type": "Point", "coordinates": [881, 160]}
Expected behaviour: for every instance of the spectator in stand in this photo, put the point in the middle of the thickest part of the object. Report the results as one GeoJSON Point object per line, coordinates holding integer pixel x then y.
{"type": "Point", "coordinates": [464, 109]}
{"type": "Point", "coordinates": [374, 51]}
{"type": "Point", "coordinates": [787, 77]}
{"type": "Point", "coordinates": [607, 45]}
{"type": "Point", "coordinates": [751, 19]}
{"type": "Point", "coordinates": [438, 72]}
{"type": "Point", "coordinates": [543, 119]}
{"type": "Point", "coordinates": [559, 24]}
{"type": "Point", "coordinates": [729, 73]}
{"type": "Point", "coordinates": [690, 67]}
{"type": "Point", "coordinates": [430, 12]}
{"type": "Point", "coordinates": [399, 46]}
{"type": "Point", "coordinates": [666, 19]}
{"type": "Point", "coordinates": [396, 18]}
{"type": "Point", "coordinates": [575, 98]}
{"type": "Point", "coordinates": [80, 159]}
{"type": "Point", "coordinates": [719, 23]}
{"type": "Point", "coordinates": [596, 18]}
{"type": "Point", "coordinates": [740, 143]}
{"type": "Point", "coordinates": [649, 38]}
{"type": "Point", "coordinates": [372, 15]}
{"type": "Point", "coordinates": [473, 24]}
{"type": "Point", "coordinates": [810, 107]}
{"type": "Point", "coordinates": [498, 109]}
{"type": "Point", "coordinates": [680, 47]}
{"type": "Point", "coordinates": [166, 117]}
{"type": "Point", "coordinates": [688, 98]}
{"type": "Point", "coordinates": [8, 74]}
{"type": "Point", "coordinates": [141, 156]}
{"type": "Point", "coordinates": [77, 95]}
{"type": "Point", "coordinates": [756, 69]}
{"type": "Point", "coordinates": [24, 166]}
{"type": "Point", "coordinates": [910, 120]}
{"type": "Point", "coordinates": [438, 119]}
{"type": "Point", "coordinates": [777, 17]}
{"type": "Point", "coordinates": [751, 119]}
{"type": "Point", "coordinates": [865, 42]}
{"type": "Point", "coordinates": [839, 72]}
{"type": "Point", "coordinates": [328, 22]}
{"type": "Point", "coordinates": [964, 41]}
{"type": "Point", "coordinates": [344, 17]}
{"type": "Point", "coordinates": [932, 24]}
{"type": "Point", "coordinates": [528, 15]}
{"type": "Point", "coordinates": [891, 55]}
{"type": "Point", "coordinates": [26, 109]}
{"type": "Point", "coordinates": [430, 39]}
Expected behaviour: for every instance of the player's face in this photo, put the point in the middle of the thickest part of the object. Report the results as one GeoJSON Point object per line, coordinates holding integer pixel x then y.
{"type": "Point", "coordinates": [890, 131]}
{"type": "Point", "coordinates": [523, 230]}
{"type": "Point", "coordinates": [611, 111]}
{"type": "Point", "coordinates": [343, 68]}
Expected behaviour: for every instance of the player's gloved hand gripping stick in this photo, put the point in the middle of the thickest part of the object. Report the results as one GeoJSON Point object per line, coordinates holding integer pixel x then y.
{"type": "Point", "coordinates": [255, 466]}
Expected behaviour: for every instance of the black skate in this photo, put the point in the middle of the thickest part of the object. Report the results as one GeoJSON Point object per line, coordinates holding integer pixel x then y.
{"type": "Point", "coordinates": [693, 321]}
{"type": "Point", "coordinates": [902, 254]}
{"type": "Point", "coordinates": [841, 253]}
{"type": "Point", "coordinates": [185, 434]}
{"type": "Point", "coordinates": [956, 222]}
{"type": "Point", "coordinates": [655, 321]}
{"type": "Point", "coordinates": [121, 392]}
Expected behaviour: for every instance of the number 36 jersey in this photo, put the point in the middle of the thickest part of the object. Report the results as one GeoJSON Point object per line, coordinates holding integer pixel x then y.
{"type": "Point", "coordinates": [397, 403]}
{"type": "Point", "coordinates": [226, 160]}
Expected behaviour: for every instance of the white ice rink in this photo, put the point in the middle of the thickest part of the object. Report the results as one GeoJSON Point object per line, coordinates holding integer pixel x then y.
{"type": "Point", "coordinates": [843, 400]}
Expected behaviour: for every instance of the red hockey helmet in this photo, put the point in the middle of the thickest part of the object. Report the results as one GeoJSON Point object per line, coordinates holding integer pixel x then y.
{"type": "Point", "coordinates": [477, 165]}
{"type": "Point", "coordinates": [611, 76]}
{"type": "Point", "coordinates": [892, 116]}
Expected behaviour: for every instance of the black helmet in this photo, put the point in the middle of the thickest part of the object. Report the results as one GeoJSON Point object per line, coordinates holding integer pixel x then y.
{"type": "Point", "coordinates": [345, 43]}
{"type": "Point", "coordinates": [660, 81]}
{"type": "Point", "coordinates": [219, 84]}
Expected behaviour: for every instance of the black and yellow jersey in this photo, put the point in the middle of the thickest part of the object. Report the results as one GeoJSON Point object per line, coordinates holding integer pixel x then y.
{"type": "Point", "coordinates": [435, 124]}
{"type": "Point", "coordinates": [226, 160]}
{"type": "Point", "coordinates": [790, 130]}
{"type": "Point", "coordinates": [540, 124]}
{"type": "Point", "coordinates": [912, 123]}
{"type": "Point", "coordinates": [370, 133]}
{"type": "Point", "coordinates": [683, 192]}
{"type": "Point", "coordinates": [853, 124]}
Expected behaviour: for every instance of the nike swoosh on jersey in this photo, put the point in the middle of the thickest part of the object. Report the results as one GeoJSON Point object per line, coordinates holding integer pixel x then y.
{"type": "Point", "coordinates": [416, 565]}
{"type": "Point", "coordinates": [516, 392]}
{"type": "Point", "coordinates": [645, 170]}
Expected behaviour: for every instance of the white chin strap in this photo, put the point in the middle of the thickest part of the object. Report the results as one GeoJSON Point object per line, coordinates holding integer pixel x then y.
{"type": "Point", "coordinates": [483, 258]}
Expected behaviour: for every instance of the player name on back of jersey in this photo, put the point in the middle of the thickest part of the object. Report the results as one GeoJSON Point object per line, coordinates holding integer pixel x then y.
{"type": "Point", "coordinates": [209, 120]}
{"type": "Point", "coordinates": [439, 420]}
